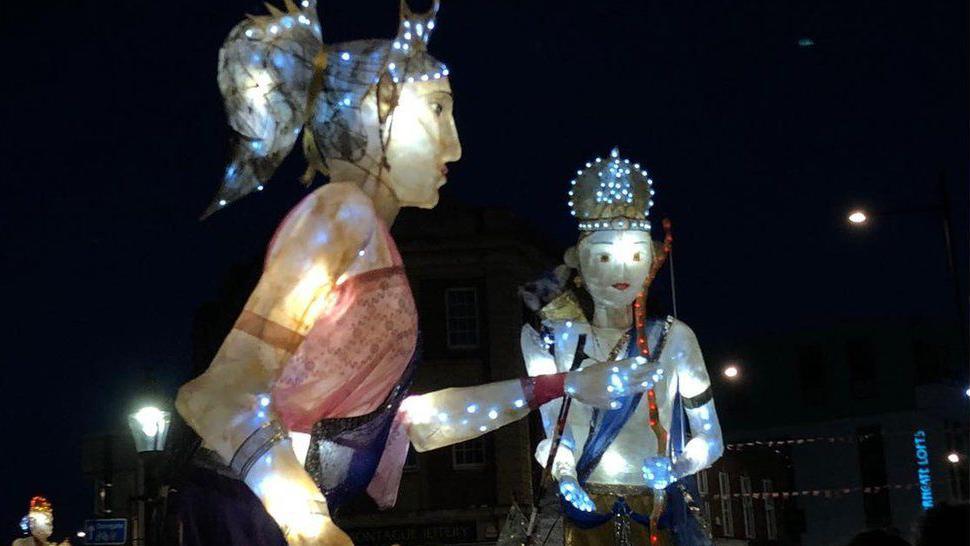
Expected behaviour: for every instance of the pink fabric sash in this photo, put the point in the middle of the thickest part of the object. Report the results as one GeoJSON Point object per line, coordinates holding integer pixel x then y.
{"type": "Point", "coordinates": [351, 358]}
{"type": "Point", "coordinates": [354, 353]}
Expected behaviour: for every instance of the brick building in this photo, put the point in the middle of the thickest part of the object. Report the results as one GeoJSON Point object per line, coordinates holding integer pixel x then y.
{"type": "Point", "coordinates": [465, 267]}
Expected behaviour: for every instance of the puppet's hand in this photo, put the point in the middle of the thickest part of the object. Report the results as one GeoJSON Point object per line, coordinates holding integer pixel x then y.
{"type": "Point", "coordinates": [570, 489]}
{"type": "Point", "coordinates": [658, 472]}
{"type": "Point", "coordinates": [601, 383]}
{"type": "Point", "coordinates": [292, 498]}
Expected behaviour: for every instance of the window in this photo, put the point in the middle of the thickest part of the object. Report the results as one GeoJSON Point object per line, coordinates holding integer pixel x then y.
{"type": "Point", "coordinates": [727, 516]}
{"type": "Point", "coordinates": [703, 490]}
{"type": "Point", "coordinates": [470, 454]}
{"type": "Point", "coordinates": [812, 376]}
{"type": "Point", "coordinates": [102, 498]}
{"type": "Point", "coordinates": [747, 507]}
{"type": "Point", "coordinates": [872, 470]}
{"type": "Point", "coordinates": [461, 318]}
{"type": "Point", "coordinates": [771, 524]}
{"type": "Point", "coordinates": [956, 440]}
{"type": "Point", "coordinates": [862, 368]}
{"type": "Point", "coordinates": [929, 368]}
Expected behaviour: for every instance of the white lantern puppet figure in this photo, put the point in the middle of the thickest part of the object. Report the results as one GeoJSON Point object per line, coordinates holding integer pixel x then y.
{"type": "Point", "coordinates": [320, 357]}
{"type": "Point", "coordinates": [330, 329]}
{"type": "Point", "coordinates": [40, 524]}
{"type": "Point", "coordinates": [617, 466]}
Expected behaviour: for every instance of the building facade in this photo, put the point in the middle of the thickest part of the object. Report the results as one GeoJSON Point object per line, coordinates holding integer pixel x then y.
{"type": "Point", "coordinates": [867, 413]}
{"type": "Point", "coordinates": [465, 267]}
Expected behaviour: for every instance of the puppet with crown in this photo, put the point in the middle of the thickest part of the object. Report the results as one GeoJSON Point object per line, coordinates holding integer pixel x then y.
{"type": "Point", "coordinates": [618, 468]}
{"type": "Point", "coordinates": [301, 408]}
{"type": "Point", "coordinates": [39, 523]}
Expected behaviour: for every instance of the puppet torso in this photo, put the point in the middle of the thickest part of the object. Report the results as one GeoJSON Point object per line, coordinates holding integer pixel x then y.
{"type": "Point", "coordinates": [621, 462]}
{"type": "Point", "coordinates": [360, 342]}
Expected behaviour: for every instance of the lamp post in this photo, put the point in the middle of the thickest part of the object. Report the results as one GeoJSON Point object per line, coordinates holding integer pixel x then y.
{"type": "Point", "coordinates": [149, 428]}
{"type": "Point", "coordinates": [860, 217]}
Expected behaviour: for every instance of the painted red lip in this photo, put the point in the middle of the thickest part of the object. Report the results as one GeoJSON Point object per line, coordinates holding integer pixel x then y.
{"type": "Point", "coordinates": [444, 169]}
{"type": "Point", "coordinates": [621, 285]}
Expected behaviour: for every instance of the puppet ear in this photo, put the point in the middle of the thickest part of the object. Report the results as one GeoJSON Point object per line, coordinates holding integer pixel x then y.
{"type": "Point", "coordinates": [571, 257]}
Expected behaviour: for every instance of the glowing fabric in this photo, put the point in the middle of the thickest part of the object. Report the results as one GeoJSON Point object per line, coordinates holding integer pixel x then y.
{"type": "Point", "coordinates": [355, 352]}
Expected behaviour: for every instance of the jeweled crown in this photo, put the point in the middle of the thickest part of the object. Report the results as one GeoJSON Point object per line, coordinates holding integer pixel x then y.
{"type": "Point", "coordinates": [611, 194]}
{"type": "Point", "coordinates": [41, 504]}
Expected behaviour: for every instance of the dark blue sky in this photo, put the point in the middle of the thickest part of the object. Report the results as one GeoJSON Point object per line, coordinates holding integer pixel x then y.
{"type": "Point", "coordinates": [114, 140]}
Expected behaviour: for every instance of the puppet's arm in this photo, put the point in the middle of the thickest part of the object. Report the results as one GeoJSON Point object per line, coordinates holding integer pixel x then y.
{"type": "Point", "coordinates": [229, 406]}
{"type": "Point", "coordinates": [450, 416]}
{"type": "Point", "coordinates": [706, 444]}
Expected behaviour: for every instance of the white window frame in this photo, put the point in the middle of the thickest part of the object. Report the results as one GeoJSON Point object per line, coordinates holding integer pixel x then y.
{"type": "Point", "coordinates": [727, 513]}
{"type": "Point", "coordinates": [448, 318]}
{"type": "Point", "coordinates": [467, 446]}
{"type": "Point", "coordinates": [747, 508]}
{"type": "Point", "coordinates": [771, 524]}
{"type": "Point", "coordinates": [703, 491]}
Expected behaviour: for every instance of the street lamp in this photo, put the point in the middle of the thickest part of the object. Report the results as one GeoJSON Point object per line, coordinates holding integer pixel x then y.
{"type": "Point", "coordinates": [953, 457]}
{"type": "Point", "coordinates": [731, 372]}
{"type": "Point", "coordinates": [941, 209]}
{"type": "Point", "coordinates": [858, 217]}
{"type": "Point", "coordinates": [149, 427]}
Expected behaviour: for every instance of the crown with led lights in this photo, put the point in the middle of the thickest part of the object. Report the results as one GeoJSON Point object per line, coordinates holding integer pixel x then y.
{"type": "Point", "coordinates": [611, 193]}
{"type": "Point", "coordinates": [408, 60]}
{"type": "Point", "coordinates": [41, 504]}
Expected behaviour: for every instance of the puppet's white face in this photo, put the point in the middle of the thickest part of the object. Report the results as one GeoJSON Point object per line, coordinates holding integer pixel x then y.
{"type": "Point", "coordinates": [422, 140]}
{"type": "Point", "coordinates": [41, 524]}
{"type": "Point", "coordinates": [614, 264]}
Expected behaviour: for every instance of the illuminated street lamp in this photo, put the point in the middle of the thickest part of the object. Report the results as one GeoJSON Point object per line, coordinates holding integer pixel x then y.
{"type": "Point", "coordinates": [953, 457]}
{"type": "Point", "coordinates": [941, 209]}
{"type": "Point", "coordinates": [858, 217]}
{"type": "Point", "coordinates": [149, 427]}
{"type": "Point", "coordinates": [731, 372]}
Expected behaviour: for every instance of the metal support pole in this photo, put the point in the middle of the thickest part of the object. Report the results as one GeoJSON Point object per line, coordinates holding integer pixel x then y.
{"type": "Point", "coordinates": [961, 308]}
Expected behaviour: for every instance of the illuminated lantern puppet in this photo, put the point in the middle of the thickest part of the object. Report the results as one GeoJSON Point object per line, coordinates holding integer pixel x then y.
{"type": "Point", "coordinates": [620, 464]}
{"type": "Point", "coordinates": [330, 329]}
{"type": "Point", "coordinates": [318, 361]}
{"type": "Point", "coordinates": [40, 524]}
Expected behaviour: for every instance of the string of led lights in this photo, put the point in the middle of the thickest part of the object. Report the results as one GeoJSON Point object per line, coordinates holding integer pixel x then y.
{"type": "Point", "coordinates": [830, 493]}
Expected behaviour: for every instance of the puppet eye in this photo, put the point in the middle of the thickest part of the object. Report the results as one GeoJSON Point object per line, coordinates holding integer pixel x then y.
{"type": "Point", "coordinates": [604, 258]}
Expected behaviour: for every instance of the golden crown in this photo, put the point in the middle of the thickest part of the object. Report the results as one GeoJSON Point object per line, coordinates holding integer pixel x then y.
{"type": "Point", "coordinates": [611, 194]}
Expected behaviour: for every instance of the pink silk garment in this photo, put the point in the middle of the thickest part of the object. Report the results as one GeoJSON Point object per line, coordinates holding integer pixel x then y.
{"type": "Point", "coordinates": [351, 358]}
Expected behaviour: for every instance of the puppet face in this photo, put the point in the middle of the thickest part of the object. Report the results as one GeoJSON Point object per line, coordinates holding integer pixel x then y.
{"type": "Point", "coordinates": [41, 524]}
{"type": "Point", "coordinates": [614, 264]}
{"type": "Point", "coordinates": [421, 140]}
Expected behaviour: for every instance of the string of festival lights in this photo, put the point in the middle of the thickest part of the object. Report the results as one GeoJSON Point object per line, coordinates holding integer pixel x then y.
{"type": "Point", "coordinates": [830, 493]}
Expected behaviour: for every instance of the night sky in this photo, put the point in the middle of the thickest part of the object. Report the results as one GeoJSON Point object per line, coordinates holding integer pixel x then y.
{"type": "Point", "coordinates": [114, 141]}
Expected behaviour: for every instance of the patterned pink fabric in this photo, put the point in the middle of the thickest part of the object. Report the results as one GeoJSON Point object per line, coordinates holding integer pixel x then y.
{"type": "Point", "coordinates": [355, 352]}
